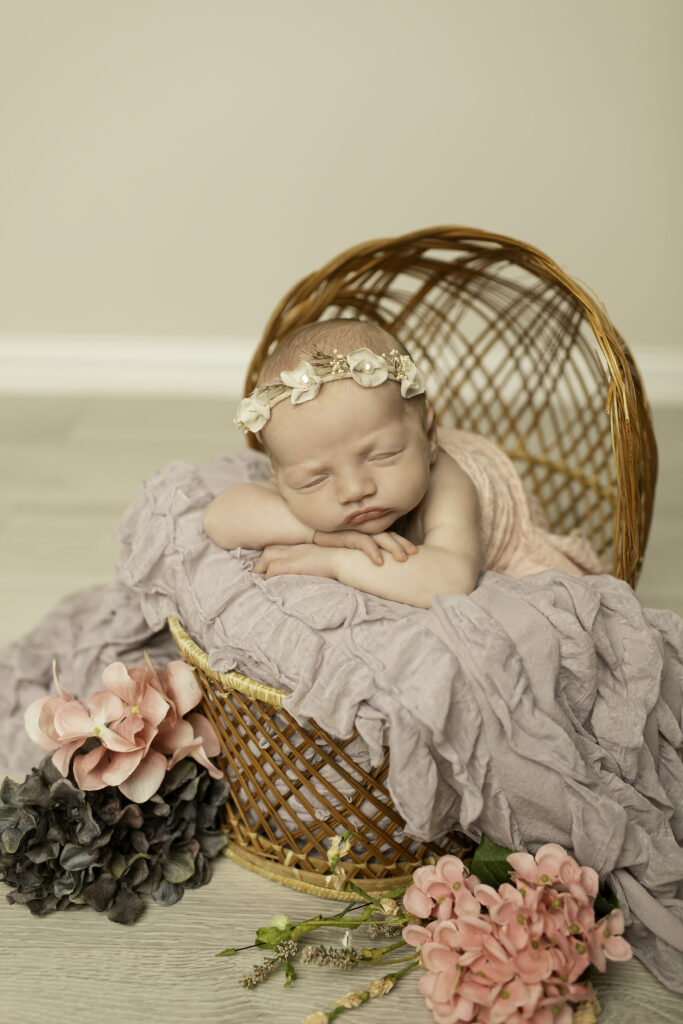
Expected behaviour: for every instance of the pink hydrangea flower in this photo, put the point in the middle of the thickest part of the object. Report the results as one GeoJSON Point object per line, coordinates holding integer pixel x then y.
{"type": "Point", "coordinates": [139, 723]}
{"type": "Point", "coordinates": [511, 955]}
{"type": "Point", "coordinates": [605, 941]}
{"type": "Point", "coordinates": [441, 886]}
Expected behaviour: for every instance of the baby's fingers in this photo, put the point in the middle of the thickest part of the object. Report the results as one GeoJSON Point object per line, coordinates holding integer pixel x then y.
{"type": "Point", "coordinates": [266, 558]}
{"type": "Point", "coordinates": [398, 547]}
{"type": "Point", "coordinates": [369, 547]}
{"type": "Point", "coordinates": [406, 545]}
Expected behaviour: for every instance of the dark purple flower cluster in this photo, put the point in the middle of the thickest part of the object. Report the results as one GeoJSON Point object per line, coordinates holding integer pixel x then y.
{"type": "Point", "coordinates": [62, 848]}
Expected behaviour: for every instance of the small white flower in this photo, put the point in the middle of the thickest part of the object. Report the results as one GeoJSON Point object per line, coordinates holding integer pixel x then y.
{"type": "Point", "coordinates": [381, 986]}
{"type": "Point", "coordinates": [280, 921]}
{"type": "Point", "coordinates": [253, 413]}
{"type": "Point", "coordinates": [412, 379]}
{"type": "Point", "coordinates": [338, 848]}
{"type": "Point", "coordinates": [388, 906]}
{"type": "Point", "coordinates": [367, 368]}
{"type": "Point", "coordinates": [304, 382]}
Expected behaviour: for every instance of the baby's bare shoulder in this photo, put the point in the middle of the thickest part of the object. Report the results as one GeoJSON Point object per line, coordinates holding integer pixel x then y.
{"type": "Point", "coordinates": [447, 474]}
{"type": "Point", "coordinates": [451, 497]}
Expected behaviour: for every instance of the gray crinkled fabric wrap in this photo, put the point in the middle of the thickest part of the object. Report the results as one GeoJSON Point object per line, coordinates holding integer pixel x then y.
{"type": "Point", "coordinates": [542, 709]}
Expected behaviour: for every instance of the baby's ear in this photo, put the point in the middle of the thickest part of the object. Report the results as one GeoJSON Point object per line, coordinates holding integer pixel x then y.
{"type": "Point", "coordinates": [432, 435]}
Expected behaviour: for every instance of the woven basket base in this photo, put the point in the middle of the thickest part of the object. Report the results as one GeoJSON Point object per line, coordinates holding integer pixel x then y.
{"type": "Point", "coordinates": [310, 881]}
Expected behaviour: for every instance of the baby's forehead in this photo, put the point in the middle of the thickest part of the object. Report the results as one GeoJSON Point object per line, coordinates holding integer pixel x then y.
{"type": "Point", "coordinates": [304, 433]}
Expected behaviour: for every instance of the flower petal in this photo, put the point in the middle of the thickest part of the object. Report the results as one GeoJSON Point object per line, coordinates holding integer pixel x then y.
{"type": "Point", "coordinates": [58, 683]}
{"type": "Point", "coordinates": [61, 758]}
{"type": "Point", "coordinates": [367, 368]}
{"type": "Point", "coordinates": [195, 749]}
{"type": "Point", "coordinates": [202, 727]}
{"type": "Point", "coordinates": [105, 707]}
{"type": "Point", "coordinates": [182, 687]}
{"type": "Point", "coordinates": [417, 902]}
{"type": "Point", "coordinates": [113, 741]}
{"type": "Point", "coordinates": [617, 948]}
{"type": "Point", "coordinates": [413, 381]}
{"type": "Point", "coordinates": [450, 868]}
{"type": "Point", "coordinates": [524, 865]}
{"type": "Point", "coordinates": [121, 766]}
{"type": "Point", "coordinates": [153, 705]}
{"type": "Point", "coordinates": [117, 679]}
{"type": "Point", "coordinates": [88, 769]}
{"type": "Point", "coordinates": [146, 779]}
{"type": "Point", "coordinates": [72, 721]}
{"type": "Point", "coordinates": [253, 412]}
{"type": "Point", "coordinates": [304, 382]}
{"type": "Point", "coordinates": [416, 935]}
{"type": "Point", "coordinates": [39, 721]}
{"type": "Point", "coordinates": [438, 958]}
{"type": "Point", "coordinates": [173, 735]}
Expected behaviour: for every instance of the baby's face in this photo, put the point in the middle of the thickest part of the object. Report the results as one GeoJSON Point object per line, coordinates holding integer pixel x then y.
{"type": "Point", "coordinates": [351, 458]}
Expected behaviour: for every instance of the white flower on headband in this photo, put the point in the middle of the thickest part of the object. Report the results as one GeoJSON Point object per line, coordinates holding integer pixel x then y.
{"type": "Point", "coordinates": [304, 382]}
{"type": "Point", "coordinates": [253, 413]}
{"type": "Point", "coordinates": [367, 368]}
{"type": "Point", "coordinates": [412, 378]}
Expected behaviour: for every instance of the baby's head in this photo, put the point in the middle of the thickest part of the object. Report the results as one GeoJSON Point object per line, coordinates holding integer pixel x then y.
{"type": "Point", "coordinates": [347, 453]}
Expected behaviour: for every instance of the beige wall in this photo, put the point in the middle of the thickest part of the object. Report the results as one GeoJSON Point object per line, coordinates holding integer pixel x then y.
{"type": "Point", "coordinates": [173, 166]}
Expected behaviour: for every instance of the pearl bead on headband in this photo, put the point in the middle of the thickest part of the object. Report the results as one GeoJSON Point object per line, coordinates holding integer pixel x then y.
{"type": "Point", "coordinates": [302, 384]}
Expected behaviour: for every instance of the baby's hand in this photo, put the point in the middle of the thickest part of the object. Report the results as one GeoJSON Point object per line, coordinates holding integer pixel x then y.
{"type": "Point", "coordinates": [371, 544]}
{"type": "Point", "coordinates": [295, 559]}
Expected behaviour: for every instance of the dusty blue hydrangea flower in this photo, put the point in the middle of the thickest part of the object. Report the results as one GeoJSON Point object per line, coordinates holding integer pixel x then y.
{"type": "Point", "coordinates": [62, 848]}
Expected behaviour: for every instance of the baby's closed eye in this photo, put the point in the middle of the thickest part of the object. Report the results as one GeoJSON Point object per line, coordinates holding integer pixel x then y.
{"type": "Point", "coordinates": [383, 456]}
{"type": "Point", "coordinates": [309, 485]}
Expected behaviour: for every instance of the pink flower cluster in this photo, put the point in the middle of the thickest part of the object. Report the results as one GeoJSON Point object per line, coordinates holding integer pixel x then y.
{"type": "Point", "coordinates": [514, 954]}
{"type": "Point", "coordinates": [139, 720]}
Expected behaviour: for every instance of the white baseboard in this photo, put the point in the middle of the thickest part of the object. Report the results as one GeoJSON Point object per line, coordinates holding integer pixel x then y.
{"type": "Point", "coordinates": [89, 364]}
{"type": "Point", "coordinates": [61, 364]}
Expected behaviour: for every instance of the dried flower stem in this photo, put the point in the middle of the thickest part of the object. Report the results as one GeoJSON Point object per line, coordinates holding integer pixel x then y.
{"type": "Point", "coordinates": [335, 922]}
{"type": "Point", "coordinates": [285, 952]}
{"type": "Point", "coordinates": [376, 989]}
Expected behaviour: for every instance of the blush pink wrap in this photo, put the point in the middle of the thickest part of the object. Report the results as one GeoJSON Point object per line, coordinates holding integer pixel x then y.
{"type": "Point", "coordinates": [515, 536]}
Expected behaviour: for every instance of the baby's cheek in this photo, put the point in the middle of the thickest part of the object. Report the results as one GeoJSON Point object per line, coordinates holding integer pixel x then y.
{"type": "Point", "coordinates": [306, 511]}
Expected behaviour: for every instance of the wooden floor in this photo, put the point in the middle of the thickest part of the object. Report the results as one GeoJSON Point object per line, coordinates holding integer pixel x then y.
{"type": "Point", "coordinates": [69, 466]}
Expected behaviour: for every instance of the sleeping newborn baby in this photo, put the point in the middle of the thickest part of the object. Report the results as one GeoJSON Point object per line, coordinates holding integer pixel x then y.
{"type": "Point", "coordinates": [360, 490]}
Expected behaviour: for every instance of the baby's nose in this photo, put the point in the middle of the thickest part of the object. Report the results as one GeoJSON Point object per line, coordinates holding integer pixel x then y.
{"type": "Point", "coordinates": [355, 487]}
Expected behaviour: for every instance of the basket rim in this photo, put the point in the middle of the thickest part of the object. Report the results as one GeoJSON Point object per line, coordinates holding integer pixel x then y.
{"type": "Point", "coordinates": [439, 236]}
{"type": "Point", "coordinates": [251, 688]}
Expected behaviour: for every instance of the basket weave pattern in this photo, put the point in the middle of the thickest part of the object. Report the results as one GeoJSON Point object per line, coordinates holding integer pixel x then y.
{"type": "Point", "coordinates": [513, 349]}
{"type": "Point", "coordinates": [293, 788]}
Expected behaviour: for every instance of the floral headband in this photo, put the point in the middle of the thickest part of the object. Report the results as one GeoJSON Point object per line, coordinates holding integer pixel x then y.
{"type": "Point", "coordinates": [303, 383]}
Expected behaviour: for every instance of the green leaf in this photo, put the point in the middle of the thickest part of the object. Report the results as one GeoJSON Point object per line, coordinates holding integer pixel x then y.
{"type": "Point", "coordinates": [290, 974]}
{"type": "Point", "coordinates": [393, 893]}
{"type": "Point", "coordinates": [490, 864]}
{"type": "Point", "coordinates": [227, 952]}
{"type": "Point", "coordinates": [605, 901]}
{"type": "Point", "coordinates": [269, 938]}
{"type": "Point", "coordinates": [360, 892]}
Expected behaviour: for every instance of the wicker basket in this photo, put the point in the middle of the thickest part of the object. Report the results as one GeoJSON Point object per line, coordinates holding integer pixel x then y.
{"type": "Point", "coordinates": [513, 349]}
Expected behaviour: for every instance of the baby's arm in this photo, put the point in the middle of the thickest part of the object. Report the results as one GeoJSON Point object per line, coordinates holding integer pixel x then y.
{"type": "Point", "coordinates": [447, 562]}
{"type": "Point", "coordinates": [253, 515]}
